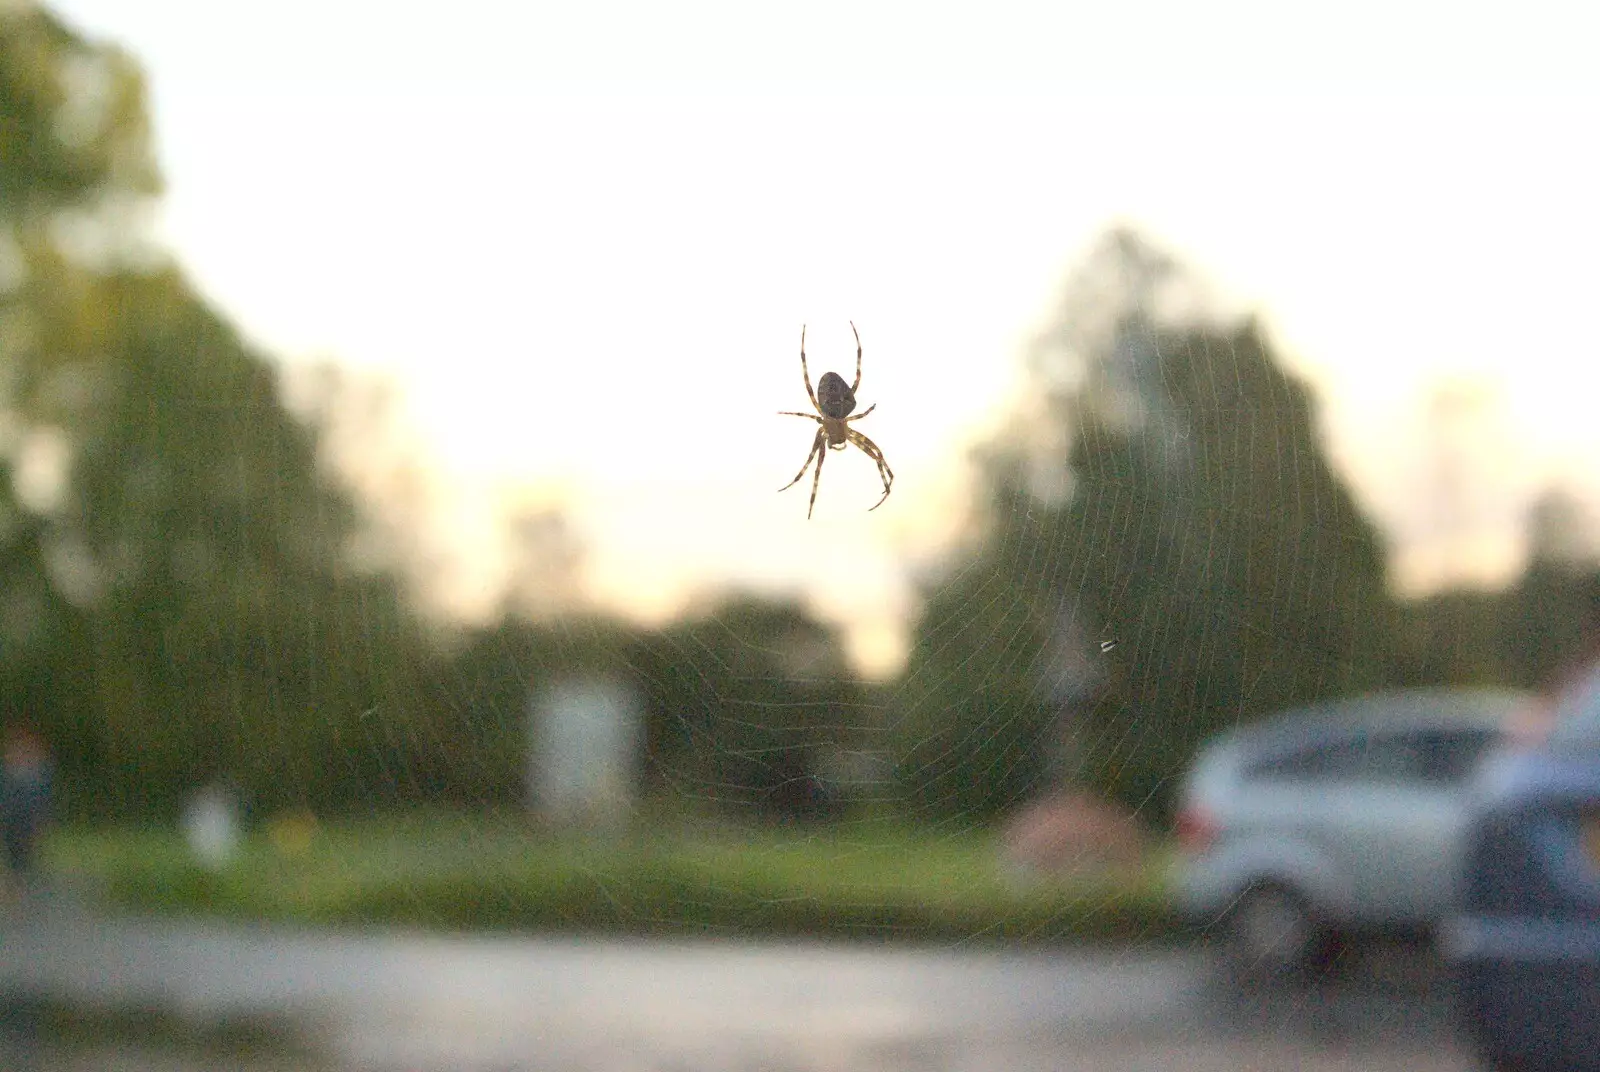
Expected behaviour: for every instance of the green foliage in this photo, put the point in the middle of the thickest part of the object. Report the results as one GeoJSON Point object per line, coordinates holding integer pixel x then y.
{"type": "Point", "coordinates": [181, 603]}
{"type": "Point", "coordinates": [1201, 533]}
{"type": "Point", "coordinates": [186, 603]}
{"type": "Point", "coordinates": [1458, 638]}
{"type": "Point", "coordinates": [745, 701]}
{"type": "Point", "coordinates": [740, 703]}
{"type": "Point", "coordinates": [1252, 582]}
{"type": "Point", "coordinates": [1529, 635]}
{"type": "Point", "coordinates": [73, 125]}
{"type": "Point", "coordinates": [480, 754]}
{"type": "Point", "coordinates": [975, 733]}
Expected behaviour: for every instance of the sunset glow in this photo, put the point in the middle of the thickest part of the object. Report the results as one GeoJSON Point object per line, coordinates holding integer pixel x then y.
{"type": "Point", "coordinates": [586, 254]}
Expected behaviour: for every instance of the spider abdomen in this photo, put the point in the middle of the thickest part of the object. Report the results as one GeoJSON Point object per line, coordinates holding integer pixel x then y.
{"type": "Point", "coordinates": [834, 397]}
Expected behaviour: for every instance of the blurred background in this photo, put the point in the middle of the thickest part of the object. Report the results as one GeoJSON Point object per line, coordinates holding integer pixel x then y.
{"type": "Point", "coordinates": [389, 416]}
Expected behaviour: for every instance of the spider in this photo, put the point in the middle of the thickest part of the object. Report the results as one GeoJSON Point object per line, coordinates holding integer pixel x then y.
{"type": "Point", "coordinates": [833, 402]}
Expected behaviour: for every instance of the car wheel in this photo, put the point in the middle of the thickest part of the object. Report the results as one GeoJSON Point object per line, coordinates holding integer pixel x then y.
{"type": "Point", "coordinates": [1272, 931]}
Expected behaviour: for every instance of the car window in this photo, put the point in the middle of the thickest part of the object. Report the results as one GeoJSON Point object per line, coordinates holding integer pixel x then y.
{"type": "Point", "coordinates": [1332, 761]}
{"type": "Point", "coordinates": [1451, 756]}
{"type": "Point", "coordinates": [1422, 756]}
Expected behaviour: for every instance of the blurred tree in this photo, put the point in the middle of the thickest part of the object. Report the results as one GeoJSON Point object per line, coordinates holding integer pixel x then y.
{"type": "Point", "coordinates": [1525, 635]}
{"type": "Point", "coordinates": [741, 703]}
{"type": "Point", "coordinates": [1454, 637]}
{"type": "Point", "coordinates": [1548, 612]}
{"type": "Point", "coordinates": [179, 557]}
{"type": "Point", "coordinates": [745, 702]}
{"type": "Point", "coordinates": [1170, 498]}
{"type": "Point", "coordinates": [74, 134]}
{"type": "Point", "coordinates": [485, 688]}
{"type": "Point", "coordinates": [1561, 532]}
{"type": "Point", "coordinates": [976, 728]}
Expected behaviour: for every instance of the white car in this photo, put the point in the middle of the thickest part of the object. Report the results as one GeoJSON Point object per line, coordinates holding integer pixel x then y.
{"type": "Point", "coordinates": [1333, 820]}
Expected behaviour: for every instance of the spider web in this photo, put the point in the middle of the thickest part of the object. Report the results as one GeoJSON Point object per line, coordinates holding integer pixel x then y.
{"type": "Point", "coordinates": [662, 701]}
{"type": "Point", "coordinates": [1100, 607]}
{"type": "Point", "coordinates": [1038, 647]}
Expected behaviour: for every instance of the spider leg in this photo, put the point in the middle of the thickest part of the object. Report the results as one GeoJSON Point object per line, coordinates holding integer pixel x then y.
{"type": "Point", "coordinates": [870, 449]}
{"type": "Point", "coordinates": [863, 413]}
{"type": "Point", "coordinates": [792, 413]}
{"type": "Point", "coordinates": [816, 445]}
{"type": "Point", "coordinates": [857, 334]}
{"type": "Point", "coordinates": [816, 479]}
{"type": "Point", "coordinates": [805, 372]}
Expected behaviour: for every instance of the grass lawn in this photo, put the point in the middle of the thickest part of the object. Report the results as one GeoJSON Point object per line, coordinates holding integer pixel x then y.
{"type": "Point", "coordinates": [488, 872]}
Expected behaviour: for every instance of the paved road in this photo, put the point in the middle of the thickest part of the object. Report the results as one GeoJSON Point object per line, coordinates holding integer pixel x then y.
{"type": "Point", "coordinates": [387, 1002]}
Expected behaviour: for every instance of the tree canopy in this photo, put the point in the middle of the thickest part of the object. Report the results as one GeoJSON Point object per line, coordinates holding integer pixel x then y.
{"type": "Point", "coordinates": [179, 603]}
{"type": "Point", "coordinates": [1171, 498]}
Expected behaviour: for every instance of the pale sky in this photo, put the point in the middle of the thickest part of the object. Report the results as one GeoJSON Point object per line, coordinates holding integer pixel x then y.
{"type": "Point", "coordinates": [583, 238]}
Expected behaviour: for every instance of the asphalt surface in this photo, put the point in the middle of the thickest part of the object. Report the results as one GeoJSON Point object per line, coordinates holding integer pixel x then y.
{"type": "Point", "coordinates": [390, 1001]}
